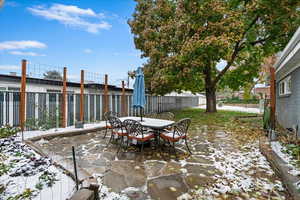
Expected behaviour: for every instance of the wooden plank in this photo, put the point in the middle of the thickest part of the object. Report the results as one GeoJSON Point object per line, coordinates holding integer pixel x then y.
{"type": "Point", "coordinates": [82, 96]}
{"type": "Point", "coordinates": [273, 96]}
{"type": "Point", "coordinates": [106, 109]}
{"type": "Point", "coordinates": [23, 95]}
{"type": "Point", "coordinates": [64, 98]}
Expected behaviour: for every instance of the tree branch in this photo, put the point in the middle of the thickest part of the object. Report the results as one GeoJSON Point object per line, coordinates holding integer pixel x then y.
{"type": "Point", "coordinates": [236, 50]}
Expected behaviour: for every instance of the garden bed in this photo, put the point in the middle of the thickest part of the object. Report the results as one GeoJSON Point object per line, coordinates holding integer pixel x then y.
{"type": "Point", "coordinates": [24, 174]}
{"type": "Point", "coordinates": [283, 164]}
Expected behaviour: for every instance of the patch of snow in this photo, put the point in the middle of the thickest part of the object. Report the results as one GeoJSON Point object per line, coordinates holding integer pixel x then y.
{"type": "Point", "coordinates": [184, 196]}
{"type": "Point", "coordinates": [237, 172]}
{"type": "Point", "coordinates": [280, 151]}
{"type": "Point", "coordinates": [234, 108]}
{"type": "Point", "coordinates": [25, 170]}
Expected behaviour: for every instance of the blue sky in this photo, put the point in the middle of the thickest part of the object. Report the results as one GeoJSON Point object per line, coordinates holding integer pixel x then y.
{"type": "Point", "coordinates": [90, 35]}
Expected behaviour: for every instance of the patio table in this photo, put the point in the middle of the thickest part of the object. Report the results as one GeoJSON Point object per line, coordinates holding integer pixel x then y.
{"type": "Point", "coordinates": [157, 125]}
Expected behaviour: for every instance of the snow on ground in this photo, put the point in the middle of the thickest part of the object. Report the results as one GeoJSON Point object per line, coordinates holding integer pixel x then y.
{"type": "Point", "coordinates": [281, 152]}
{"type": "Point", "coordinates": [24, 172]}
{"type": "Point", "coordinates": [238, 169]}
{"type": "Point", "coordinates": [235, 108]}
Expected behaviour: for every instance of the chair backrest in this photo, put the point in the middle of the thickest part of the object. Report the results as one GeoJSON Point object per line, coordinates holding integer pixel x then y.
{"type": "Point", "coordinates": [109, 114]}
{"type": "Point", "coordinates": [181, 127]}
{"type": "Point", "coordinates": [116, 123]}
{"type": "Point", "coordinates": [133, 128]}
{"type": "Point", "coordinates": [166, 116]}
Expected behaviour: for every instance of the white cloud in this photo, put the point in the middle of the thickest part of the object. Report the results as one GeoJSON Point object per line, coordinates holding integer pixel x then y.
{"type": "Point", "coordinates": [9, 67]}
{"type": "Point", "coordinates": [23, 44]}
{"type": "Point", "coordinates": [23, 53]}
{"type": "Point", "coordinates": [87, 51]}
{"type": "Point", "coordinates": [72, 16]}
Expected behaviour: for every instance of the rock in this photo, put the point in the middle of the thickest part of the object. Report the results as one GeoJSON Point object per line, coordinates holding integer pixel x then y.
{"type": "Point", "coordinates": [166, 187]}
{"type": "Point", "coordinates": [127, 174]}
{"type": "Point", "coordinates": [194, 181]}
{"type": "Point", "coordinates": [134, 193]}
{"type": "Point", "coordinates": [115, 181]}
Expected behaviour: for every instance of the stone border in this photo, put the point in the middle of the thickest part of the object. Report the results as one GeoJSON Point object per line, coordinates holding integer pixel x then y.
{"type": "Point", "coordinates": [67, 133]}
{"type": "Point", "coordinates": [280, 167]}
{"type": "Point", "coordinates": [89, 189]}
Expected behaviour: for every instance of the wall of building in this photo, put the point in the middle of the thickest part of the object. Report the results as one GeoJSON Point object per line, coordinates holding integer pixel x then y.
{"type": "Point", "coordinates": [288, 107]}
{"type": "Point", "coordinates": [33, 87]}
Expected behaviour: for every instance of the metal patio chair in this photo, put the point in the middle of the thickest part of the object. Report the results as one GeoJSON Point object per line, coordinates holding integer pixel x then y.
{"type": "Point", "coordinates": [178, 132]}
{"type": "Point", "coordinates": [118, 130]}
{"type": "Point", "coordinates": [106, 117]}
{"type": "Point", "coordinates": [136, 132]}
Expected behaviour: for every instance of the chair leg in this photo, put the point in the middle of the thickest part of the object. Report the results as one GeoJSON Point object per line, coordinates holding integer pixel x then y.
{"type": "Point", "coordinates": [142, 149]}
{"type": "Point", "coordinates": [174, 150]}
{"type": "Point", "coordinates": [187, 146]}
{"type": "Point", "coordinates": [121, 143]}
{"type": "Point", "coordinates": [105, 132]}
{"type": "Point", "coordinates": [127, 144]}
{"type": "Point", "coordinates": [110, 139]}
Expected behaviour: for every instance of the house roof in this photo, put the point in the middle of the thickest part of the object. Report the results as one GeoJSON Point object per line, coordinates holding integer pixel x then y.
{"type": "Point", "coordinates": [13, 78]}
{"type": "Point", "coordinates": [290, 57]}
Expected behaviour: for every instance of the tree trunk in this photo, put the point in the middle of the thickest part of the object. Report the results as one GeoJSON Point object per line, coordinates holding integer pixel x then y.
{"type": "Point", "coordinates": [210, 90]}
{"type": "Point", "coordinates": [211, 102]}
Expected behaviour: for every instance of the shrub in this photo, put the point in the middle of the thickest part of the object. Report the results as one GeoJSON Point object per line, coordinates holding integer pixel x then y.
{"type": "Point", "coordinates": [7, 130]}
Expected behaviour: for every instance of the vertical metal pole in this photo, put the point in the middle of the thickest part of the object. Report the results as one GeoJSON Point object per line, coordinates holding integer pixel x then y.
{"type": "Point", "coordinates": [82, 96]}
{"type": "Point", "coordinates": [273, 96]}
{"type": "Point", "coordinates": [64, 98]}
{"type": "Point", "coordinates": [106, 93]}
{"type": "Point", "coordinates": [75, 167]}
{"type": "Point", "coordinates": [22, 99]}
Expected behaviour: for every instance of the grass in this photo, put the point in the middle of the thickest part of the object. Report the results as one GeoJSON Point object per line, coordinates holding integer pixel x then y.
{"type": "Point", "coordinates": [245, 129]}
{"type": "Point", "coordinates": [200, 117]}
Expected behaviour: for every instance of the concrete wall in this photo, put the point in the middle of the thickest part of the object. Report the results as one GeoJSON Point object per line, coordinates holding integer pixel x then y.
{"type": "Point", "coordinates": [288, 106]}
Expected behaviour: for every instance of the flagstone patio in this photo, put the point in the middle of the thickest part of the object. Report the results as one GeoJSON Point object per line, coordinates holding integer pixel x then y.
{"type": "Point", "coordinates": [220, 168]}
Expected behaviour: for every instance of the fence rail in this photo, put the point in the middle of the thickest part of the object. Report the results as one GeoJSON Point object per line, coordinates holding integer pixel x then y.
{"type": "Point", "coordinates": [46, 107]}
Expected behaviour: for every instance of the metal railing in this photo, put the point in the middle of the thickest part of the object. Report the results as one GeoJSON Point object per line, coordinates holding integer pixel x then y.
{"type": "Point", "coordinates": [47, 106]}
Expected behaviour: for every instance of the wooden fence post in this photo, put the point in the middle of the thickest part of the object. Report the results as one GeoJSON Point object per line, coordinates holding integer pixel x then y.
{"type": "Point", "coordinates": [23, 97]}
{"type": "Point", "coordinates": [273, 97]}
{"type": "Point", "coordinates": [64, 98]}
{"type": "Point", "coordinates": [106, 93]}
{"type": "Point", "coordinates": [82, 96]}
{"type": "Point", "coordinates": [123, 100]}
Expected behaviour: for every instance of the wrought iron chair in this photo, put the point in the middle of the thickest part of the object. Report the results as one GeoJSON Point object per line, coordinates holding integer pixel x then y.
{"type": "Point", "coordinates": [137, 133]}
{"type": "Point", "coordinates": [178, 132]}
{"type": "Point", "coordinates": [166, 116]}
{"type": "Point", "coordinates": [106, 117]}
{"type": "Point", "coordinates": [118, 130]}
